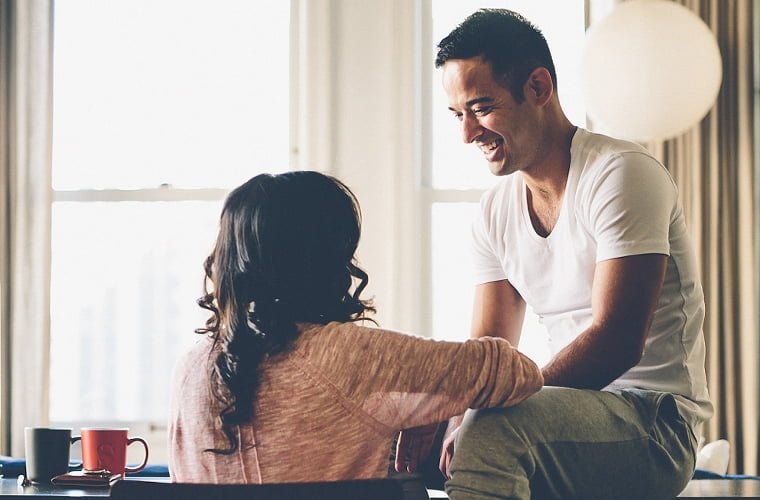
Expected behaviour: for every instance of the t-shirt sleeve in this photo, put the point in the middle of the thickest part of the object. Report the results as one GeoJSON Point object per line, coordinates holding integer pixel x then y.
{"type": "Point", "coordinates": [486, 266]}
{"type": "Point", "coordinates": [632, 203]}
{"type": "Point", "coordinates": [405, 381]}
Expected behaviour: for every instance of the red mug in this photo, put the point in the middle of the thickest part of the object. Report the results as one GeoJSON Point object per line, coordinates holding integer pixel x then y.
{"type": "Point", "coordinates": [106, 450]}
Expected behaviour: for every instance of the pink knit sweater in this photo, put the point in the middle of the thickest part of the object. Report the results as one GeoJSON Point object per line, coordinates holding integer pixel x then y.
{"type": "Point", "coordinates": [329, 408]}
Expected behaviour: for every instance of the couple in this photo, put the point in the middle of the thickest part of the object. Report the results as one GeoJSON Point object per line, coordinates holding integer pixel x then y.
{"type": "Point", "coordinates": [287, 385]}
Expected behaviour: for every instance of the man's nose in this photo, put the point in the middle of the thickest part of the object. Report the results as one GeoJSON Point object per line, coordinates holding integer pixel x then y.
{"type": "Point", "coordinates": [471, 128]}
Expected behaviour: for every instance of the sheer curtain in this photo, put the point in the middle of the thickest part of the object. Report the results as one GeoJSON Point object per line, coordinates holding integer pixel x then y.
{"type": "Point", "coordinates": [713, 165]}
{"type": "Point", "coordinates": [25, 201]}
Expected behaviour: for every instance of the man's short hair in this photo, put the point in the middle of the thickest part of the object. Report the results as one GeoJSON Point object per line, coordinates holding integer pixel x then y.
{"type": "Point", "coordinates": [510, 43]}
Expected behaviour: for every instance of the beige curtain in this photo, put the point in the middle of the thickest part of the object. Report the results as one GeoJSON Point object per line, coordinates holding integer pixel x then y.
{"type": "Point", "coordinates": [713, 165]}
{"type": "Point", "coordinates": [25, 201]}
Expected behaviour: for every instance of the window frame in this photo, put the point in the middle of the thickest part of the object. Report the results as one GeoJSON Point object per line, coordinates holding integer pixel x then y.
{"type": "Point", "coordinates": [150, 429]}
{"type": "Point", "coordinates": [318, 133]}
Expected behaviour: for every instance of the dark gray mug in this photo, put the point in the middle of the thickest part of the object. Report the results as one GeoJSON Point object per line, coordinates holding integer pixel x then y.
{"type": "Point", "coordinates": [47, 452]}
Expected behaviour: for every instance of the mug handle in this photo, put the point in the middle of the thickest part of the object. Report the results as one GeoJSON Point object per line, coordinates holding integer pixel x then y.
{"type": "Point", "coordinates": [73, 464]}
{"type": "Point", "coordinates": [145, 462]}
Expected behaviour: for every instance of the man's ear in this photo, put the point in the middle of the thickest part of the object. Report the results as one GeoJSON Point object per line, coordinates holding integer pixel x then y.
{"type": "Point", "coordinates": [539, 86]}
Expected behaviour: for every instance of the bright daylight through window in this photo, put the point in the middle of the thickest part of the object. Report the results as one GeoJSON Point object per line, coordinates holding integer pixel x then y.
{"type": "Point", "coordinates": [160, 108]}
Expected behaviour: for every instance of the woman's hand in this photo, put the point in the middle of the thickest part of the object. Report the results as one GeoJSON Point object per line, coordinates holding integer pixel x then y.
{"type": "Point", "coordinates": [413, 446]}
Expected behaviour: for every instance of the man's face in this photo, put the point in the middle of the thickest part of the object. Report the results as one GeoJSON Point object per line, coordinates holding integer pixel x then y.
{"type": "Point", "coordinates": [489, 115]}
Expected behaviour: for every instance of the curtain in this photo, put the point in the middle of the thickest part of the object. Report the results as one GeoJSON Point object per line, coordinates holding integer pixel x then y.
{"type": "Point", "coordinates": [25, 212]}
{"type": "Point", "coordinates": [713, 165]}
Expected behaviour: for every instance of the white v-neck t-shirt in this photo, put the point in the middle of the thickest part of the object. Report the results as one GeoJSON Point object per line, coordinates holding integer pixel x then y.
{"type": "Point", "coordinates": [619, 201]}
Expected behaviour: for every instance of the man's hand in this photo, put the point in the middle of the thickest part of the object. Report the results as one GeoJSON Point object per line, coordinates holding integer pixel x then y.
{"type": "Point", "coordinates": [413, 446]}
{"type": "Point", "coordinates": [447, 450]}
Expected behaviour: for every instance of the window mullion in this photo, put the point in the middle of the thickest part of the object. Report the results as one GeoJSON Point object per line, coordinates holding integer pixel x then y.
{"type": "Point", "coordinates": [155, 194]}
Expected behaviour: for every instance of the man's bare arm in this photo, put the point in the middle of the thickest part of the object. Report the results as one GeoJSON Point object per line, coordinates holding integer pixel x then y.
{"type": "Point", "coordinates": [624, 297]}
{"type": "Point", "coordinates": [498, 311]}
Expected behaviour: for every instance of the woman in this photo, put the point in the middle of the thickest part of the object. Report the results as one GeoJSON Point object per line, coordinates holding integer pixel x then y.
{"type": "Point", "coordinates": [286, 386]}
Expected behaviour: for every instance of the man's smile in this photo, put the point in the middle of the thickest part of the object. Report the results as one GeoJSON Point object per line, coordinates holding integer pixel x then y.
{"type": "Point", "coordinates": [489, 148]}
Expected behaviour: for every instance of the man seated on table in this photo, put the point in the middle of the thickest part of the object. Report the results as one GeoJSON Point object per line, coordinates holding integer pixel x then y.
{"type": "Point", "coordinates": [588, 230]}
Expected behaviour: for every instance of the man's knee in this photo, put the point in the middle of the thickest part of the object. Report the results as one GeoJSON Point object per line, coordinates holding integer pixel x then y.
{"type": "Point", "coordinates": [488, 458]}
{"type": "Point", "coordinates": [493, 435]}
{"type": "Point", "coordinates": [480, 427]}
{"type": "Point", "coordinates": [521, 423]}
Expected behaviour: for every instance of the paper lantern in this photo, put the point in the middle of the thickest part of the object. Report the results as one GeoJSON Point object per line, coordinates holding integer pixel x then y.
{"type": "Point", "coordinates": [651, 69]}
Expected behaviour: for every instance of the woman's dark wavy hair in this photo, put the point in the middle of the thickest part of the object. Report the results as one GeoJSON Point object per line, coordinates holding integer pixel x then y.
{"type": "Point", "coordinates": [504, 38]}
{"type": "Point", "coordinates": [284, 255]}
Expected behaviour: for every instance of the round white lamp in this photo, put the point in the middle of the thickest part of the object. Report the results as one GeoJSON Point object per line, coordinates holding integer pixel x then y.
{"type": "Point", "coordinates": [651, 70]}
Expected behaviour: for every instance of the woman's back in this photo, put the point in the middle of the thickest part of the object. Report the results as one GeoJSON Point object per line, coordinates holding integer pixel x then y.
{"type": "Point", "coordinates": [330, 406]}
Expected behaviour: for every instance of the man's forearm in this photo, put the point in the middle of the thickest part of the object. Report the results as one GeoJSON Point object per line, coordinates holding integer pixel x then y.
{"type": "Point", "coordinates": [591, 361]}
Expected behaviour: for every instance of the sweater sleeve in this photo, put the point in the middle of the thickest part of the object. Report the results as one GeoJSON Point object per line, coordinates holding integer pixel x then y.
{"type": "Point", "coordinates": [404, 381]}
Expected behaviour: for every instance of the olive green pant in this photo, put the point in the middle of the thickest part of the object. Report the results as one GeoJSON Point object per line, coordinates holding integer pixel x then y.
{"type": "Point", "coordinates": [575, 444]}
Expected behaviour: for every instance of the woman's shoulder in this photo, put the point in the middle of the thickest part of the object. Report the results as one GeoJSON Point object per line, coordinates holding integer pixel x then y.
{"type": "Point", "coordinates": [196, 355]}
{"type": "Point", "coordinates": [350, 332]}
{"type": "Point", "coordinates": [346, 342]}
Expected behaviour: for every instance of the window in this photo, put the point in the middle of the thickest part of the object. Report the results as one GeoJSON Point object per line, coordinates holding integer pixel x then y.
{"type": "Point", "coordinates": [458, 174]}
{"type": "Point", "coordinates": [160, 109]}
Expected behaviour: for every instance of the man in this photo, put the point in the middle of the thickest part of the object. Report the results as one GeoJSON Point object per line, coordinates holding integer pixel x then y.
{"type": "Point", "coordinates": [589, 231]}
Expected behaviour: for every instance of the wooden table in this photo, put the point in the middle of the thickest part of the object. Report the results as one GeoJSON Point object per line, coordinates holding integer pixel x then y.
{"type": "Point", "coordinates": [722, 488]}
{"type": "Point", "coordinates": [701, 488]}
{"type": "Point", "coordinates": [9, 488]}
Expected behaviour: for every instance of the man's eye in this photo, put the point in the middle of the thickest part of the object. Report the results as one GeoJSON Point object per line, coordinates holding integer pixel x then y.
{"type": "Point", "coordinates": [458, 116]}
{"type": "Point", "coordinates": [482, 111]}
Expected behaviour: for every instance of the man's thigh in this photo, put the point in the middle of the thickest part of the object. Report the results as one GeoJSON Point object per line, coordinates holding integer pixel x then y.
{"type": "Point", "coordinates": [567, 443]}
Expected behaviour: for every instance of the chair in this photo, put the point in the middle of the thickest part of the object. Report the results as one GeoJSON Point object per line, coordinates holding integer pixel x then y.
{"type": "Point", "coordinates": [395, 488]}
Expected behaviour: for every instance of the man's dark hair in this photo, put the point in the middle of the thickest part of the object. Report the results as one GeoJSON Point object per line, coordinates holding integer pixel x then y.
{"type": "Point", "coordinates": [510, 43]}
